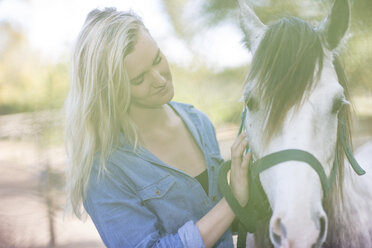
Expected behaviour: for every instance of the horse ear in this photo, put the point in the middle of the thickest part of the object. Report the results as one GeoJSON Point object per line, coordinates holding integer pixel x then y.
{"type": "Point", "coordinates": [251, 26]}
{"type": "Point", "coordinates": [335, 25]}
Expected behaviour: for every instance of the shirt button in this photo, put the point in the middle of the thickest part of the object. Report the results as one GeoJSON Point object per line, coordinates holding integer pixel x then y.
{"type": "Point", "coordinates": [212, 168]}
{"type": "Point", "coordinates": [214, 198]}
{"type": "Point", "coordinates": [157, 192]}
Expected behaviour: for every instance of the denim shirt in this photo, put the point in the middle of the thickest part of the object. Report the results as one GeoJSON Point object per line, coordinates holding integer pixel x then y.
{"type": "Point", "coordinates": [143, 202]}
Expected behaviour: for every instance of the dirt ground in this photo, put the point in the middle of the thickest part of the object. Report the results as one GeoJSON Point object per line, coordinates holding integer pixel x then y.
{"type": "Point", "coordinates": [23, 211]}
{"type": "Point", "coordinates": [24, 220]}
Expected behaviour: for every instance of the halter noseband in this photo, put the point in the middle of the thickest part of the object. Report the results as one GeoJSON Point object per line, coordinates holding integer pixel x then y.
{"type": "Point", "coordinates": [258, 206]}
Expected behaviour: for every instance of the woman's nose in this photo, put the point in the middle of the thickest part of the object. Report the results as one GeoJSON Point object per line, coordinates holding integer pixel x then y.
{"type": "Point", "coordinates": [157, 79]}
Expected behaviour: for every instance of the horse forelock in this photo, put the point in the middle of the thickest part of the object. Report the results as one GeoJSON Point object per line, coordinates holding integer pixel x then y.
{"type": "Point", "coordinates": [286, 64]}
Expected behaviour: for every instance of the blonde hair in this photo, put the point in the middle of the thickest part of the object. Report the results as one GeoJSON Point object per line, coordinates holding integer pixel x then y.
{"type": "Point", "coordinates": [99, 98]}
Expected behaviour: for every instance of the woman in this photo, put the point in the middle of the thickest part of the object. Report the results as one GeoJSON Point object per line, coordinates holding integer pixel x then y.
{"type": "Point", "coordinates": [144, 168]}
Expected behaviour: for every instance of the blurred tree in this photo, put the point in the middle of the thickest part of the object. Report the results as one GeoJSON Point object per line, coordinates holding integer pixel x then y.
{"type": "Point", "coordinates": [173, 8]}
{"type": "Point", "coordinates": [216, 94]}
{"type": "Point", "coordinates": [29, 83]}
{"type": "Point", "coordinates": [356, 52]}
{"type": "Point", "coordinates": [26, 82]}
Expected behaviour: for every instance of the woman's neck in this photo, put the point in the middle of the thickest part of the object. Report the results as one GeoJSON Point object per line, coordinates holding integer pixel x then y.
{"type": "Point", "coordinates": [148, 119]}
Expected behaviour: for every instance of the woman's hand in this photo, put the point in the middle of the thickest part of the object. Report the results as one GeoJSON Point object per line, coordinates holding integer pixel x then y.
{"type": "Point", "coordinates": [220, 217]}
{"type": "Point", "coordinates": [239, 169]}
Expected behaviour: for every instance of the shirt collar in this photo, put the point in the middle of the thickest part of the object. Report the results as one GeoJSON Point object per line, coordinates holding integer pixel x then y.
{"type": "Point", "coordinates": [193, 123]}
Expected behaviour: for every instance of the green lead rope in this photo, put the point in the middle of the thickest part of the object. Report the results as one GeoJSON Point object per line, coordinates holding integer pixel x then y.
{"type": "Point", "coordinates": [246, 221]}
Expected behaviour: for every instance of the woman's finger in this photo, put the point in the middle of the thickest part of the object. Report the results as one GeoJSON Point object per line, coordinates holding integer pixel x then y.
{"type": "Point", "coordinates": [235, 147]}
{"type": "Point", "coordinates": [239, 139]}
{"type": "Point", "coordinates": [246, 159]}
{"type": "Point", "coordinates": [239, 150]}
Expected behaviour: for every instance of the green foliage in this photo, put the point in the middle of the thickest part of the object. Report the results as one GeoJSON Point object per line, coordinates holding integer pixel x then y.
{"type": "Point", "coordinates": [357, 60]}
{"type": "Point", "coordinates": [357, 51]}
{"type": "Point", "coordinates": [216, 94]}
{"type": "Point", "coordinates": [218, 10]}
{"type": "Point", "coordinates": [174, 9]}
{"type": "Point", "coordinates": [26, 82]}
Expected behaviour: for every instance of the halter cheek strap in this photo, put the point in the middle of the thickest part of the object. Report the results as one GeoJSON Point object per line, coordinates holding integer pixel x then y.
{"type": "Point", "coordinates": [346, 146]}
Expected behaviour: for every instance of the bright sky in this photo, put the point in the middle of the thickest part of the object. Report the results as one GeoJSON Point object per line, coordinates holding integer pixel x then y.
{"type": "Point", "coordinates": [52, 26]}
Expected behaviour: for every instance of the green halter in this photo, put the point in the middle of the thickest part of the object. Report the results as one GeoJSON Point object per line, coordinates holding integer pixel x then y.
{"type": "Point", "coordinates": [258, 205]}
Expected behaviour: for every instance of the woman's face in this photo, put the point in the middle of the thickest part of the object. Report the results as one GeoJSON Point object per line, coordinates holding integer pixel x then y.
{"type": "Point", "coordinates": [149, 74]}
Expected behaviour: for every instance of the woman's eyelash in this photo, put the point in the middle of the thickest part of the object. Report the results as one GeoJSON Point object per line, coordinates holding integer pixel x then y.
{"type": "Point", "coordinates": [158, 60]}
{"type": "Point", "coordinates": [137, 80]}
{"type": "Point", "coordinates": [140, 79]}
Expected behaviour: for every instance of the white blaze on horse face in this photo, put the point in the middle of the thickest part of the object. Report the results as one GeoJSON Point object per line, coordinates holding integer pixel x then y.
{"type": "Point", "coordinates": [293, 188]}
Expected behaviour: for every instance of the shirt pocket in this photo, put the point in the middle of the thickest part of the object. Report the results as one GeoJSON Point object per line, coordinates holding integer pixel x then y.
{"type": "Point", "coordinates": [158, 189]}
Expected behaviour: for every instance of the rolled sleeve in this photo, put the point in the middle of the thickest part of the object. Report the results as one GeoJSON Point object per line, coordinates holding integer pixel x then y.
{"type": "Point", "coordinates": [167, 241]}
{"type": "Point", "coordinates": [190, 235]}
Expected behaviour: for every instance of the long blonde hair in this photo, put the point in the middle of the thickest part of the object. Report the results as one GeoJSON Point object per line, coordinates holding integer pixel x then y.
{"type": "Point", "coordinates": [99, 98]}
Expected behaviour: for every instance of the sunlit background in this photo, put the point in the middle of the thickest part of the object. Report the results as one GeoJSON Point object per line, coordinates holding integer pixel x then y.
{"type": "Point", "coordinates": [202, 41]}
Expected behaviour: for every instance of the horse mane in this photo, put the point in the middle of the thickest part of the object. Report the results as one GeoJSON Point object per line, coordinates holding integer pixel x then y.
{"type": "Point", "coordinates": [345, 116]}
{"type": "Point", "coordinates": [288, 59]}
{"type": "Point", "coordinates": [334, 204]}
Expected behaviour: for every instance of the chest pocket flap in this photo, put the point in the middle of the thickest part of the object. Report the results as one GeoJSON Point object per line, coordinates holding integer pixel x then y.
{"type": "Point", "coordinates": [158, 189]}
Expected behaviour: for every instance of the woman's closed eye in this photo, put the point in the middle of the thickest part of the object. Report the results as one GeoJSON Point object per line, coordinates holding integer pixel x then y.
{"type": "Point", "coordinates": [138, 80]}
{"type": "Point", "coordinates": [158, 60]}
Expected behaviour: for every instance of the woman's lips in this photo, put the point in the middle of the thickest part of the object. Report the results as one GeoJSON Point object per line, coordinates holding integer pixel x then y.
{"type": "Point", "coordinates": [163, 90]}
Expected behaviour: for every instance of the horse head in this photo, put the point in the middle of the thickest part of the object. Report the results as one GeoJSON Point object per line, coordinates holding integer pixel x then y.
{"type": "Point", "coordinates": [294, 95]}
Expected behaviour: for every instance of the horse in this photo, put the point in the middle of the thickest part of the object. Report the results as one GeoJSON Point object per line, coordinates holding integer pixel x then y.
{"type": "Point", "coordinates": [296, 98]}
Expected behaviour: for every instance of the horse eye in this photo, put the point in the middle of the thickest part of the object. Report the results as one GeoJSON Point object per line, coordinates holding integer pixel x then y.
{"type": "Point", "coordinates": [338, 104]}
{"type": "Point", "coordinates": [252, 104]}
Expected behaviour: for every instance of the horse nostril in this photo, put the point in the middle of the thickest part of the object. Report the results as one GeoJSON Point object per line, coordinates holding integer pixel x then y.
{"type": "Point", "coordinates": [322, 231]}
{"type": "Point", "coordinates": [277, 240]}
{"type": "Point", "coordinates": [278, 232]}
